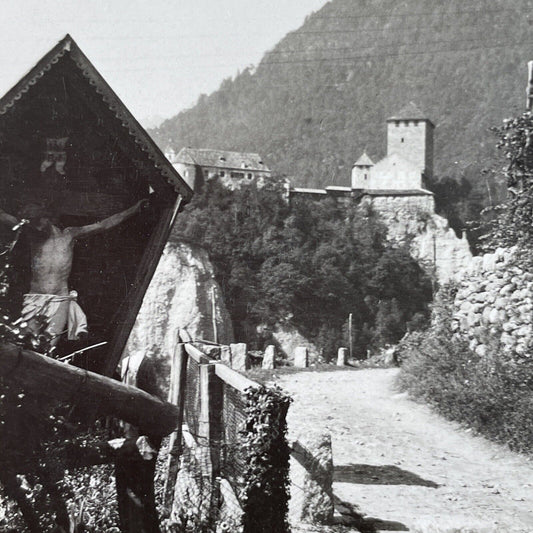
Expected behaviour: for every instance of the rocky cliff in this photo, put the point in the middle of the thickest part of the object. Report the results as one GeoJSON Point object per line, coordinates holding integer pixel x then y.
{"type": "Point", "coordinates": [412, 220]}
{"type": "Point", "coordinates": [179, 298]}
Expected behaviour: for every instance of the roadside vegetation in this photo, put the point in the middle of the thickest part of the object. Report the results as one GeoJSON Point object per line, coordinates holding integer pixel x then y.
{"type": "Point", "coordinates": [493, 394]}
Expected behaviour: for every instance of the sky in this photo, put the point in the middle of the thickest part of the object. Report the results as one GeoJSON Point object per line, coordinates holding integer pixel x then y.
{"type": "Point", "coordinates": [157, 55]}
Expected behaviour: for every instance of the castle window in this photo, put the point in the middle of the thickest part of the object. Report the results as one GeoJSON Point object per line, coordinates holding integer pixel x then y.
{"type": "Point", "coordinates": [366, 176]}
{"type": "Point", "coordinates": [249, 176]}
{"type": "Point", "coordinates": [402, 139]}
{"type": "Point", "coordinates": [397, 123]}
{"type": "Point", "coordinates": [415, 122]}
{"type": "Point", "coordinates": [222, 173]}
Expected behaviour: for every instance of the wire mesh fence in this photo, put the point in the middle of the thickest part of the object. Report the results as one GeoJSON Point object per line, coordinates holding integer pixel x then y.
{"type": "Point", "coordinates": [233, 461]}
{"type": "Point", "coordinates": [233, 456]}
{"type": "Point", "coordinates": [192, 396]}
{"type": "Point", "coordinates": [210, 474]}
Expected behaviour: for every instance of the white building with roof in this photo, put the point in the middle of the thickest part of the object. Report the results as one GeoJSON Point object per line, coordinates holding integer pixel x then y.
{"type": "Point", "coordinates": [198, 165]}
{"type": "Point", "coordinates": [409, 160]}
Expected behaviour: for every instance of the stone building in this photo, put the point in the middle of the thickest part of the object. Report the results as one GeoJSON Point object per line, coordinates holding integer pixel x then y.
{"type": "Point", "coordinates": [402, 173]}
{"type": "Point", "coordinates": [409, 160]}
{"type": "Point", "coordinates": [198, 165]}
{"type": "Point", "coordinates": [395, 189]}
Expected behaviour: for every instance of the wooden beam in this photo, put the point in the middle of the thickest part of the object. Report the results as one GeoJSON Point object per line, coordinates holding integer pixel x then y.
{"type": "Point", "coordinates": [233, 378]}
{"type": "Point", "coordinates": [198, 356]}
{"type": "Point", "coordinates": [45, 376]}
{"type": "Point", "coordinates": [130, 307]}
{"type": "Point", "coordinates": [176, 396]}
{"type": "Point", "coordinates": [224, 372]}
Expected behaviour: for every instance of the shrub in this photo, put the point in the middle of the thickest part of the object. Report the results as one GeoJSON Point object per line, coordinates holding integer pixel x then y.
{"type": "Point", "coordinates": [492, 394]}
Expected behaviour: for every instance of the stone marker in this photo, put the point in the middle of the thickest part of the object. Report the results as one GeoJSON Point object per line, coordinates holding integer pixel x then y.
{"type": "Point", "coordinates": [239, 356]}
{"type": "Point", "coordinates": [225, 354]}
{"type": "Point", "coordinates": [301, 357]}
{"type": "Point", "coordinates": [313, 452]}
{"type": "Point", "coordinates": [342, 356]}
{"type": "Point", "coordinates": [269, 357]}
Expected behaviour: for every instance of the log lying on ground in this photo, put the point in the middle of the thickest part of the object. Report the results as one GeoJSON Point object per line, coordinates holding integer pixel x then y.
{"type": "Point", "coordinates": [44, 376]}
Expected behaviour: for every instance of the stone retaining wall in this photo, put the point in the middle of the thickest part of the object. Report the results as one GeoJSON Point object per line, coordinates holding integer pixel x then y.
{"type": "Point", "coordinates": [495, 300]}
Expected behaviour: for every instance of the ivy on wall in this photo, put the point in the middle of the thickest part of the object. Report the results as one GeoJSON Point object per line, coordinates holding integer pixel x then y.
{"type": "Point", "coordinates": [265, 494]}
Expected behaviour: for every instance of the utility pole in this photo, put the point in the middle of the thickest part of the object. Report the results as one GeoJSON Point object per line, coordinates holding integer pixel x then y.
{"type": "Point", "coordinates": [214, 315]}
{"type": "Point", "coordinates": [529, 89]}
{"type": "Point", "coordinates": [350, 322]}
{"type": "Point", "coordinates": [529, 105]}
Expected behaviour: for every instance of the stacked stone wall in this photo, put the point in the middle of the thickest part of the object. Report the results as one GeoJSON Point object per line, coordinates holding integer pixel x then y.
{"type": "Point", "coordinates": [495, 303]}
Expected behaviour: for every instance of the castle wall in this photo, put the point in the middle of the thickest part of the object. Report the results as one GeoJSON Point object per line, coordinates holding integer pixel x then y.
{"type": "Point", "coordinates": [390, 204]}
{"type": "Point", "coordinates": [395, 172]}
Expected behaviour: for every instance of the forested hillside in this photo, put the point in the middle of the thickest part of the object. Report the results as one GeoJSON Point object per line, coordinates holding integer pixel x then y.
{"type": "Point", "coordinates": [322, 95]}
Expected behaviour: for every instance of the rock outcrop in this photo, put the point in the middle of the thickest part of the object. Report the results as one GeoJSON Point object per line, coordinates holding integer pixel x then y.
{"type": "Point", "coordinates": [288, 339]}
{"type": "Point", "coordinates": [495, 300]}
{"type": "Point", "coordinates": [432, 242]}
{"type": "Point", "coordinates": [179, 298]}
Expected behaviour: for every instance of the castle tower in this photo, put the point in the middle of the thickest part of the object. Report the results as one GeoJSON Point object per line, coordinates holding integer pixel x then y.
{"type": "Point", "coordinates": [410, 135]}
{"type": "Point", "coordinates": [361, 172]}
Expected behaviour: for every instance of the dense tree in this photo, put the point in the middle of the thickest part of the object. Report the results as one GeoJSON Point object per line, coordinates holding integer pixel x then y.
{"type": "Point", "coordinates": [322, 94]}
{"type": "Point", "coordinates": [309, 264]}
{"type": "Point", "coordinates": [514, 223]}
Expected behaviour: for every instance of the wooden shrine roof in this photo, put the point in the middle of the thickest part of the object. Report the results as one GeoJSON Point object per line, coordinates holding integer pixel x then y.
{"type": "Point", "coordinates": [68, 47]}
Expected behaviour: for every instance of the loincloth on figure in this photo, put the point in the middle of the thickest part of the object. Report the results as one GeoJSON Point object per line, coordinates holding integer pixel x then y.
{"type": "Point", "coordinates": [52, 306]}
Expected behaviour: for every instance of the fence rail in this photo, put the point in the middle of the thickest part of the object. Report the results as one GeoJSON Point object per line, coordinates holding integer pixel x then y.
{"type": "Point", "coordinates": [207, 462]}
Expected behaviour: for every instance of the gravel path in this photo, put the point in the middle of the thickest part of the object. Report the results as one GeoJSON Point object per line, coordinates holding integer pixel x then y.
{"type": "Point", "coordinates": [405, 467]}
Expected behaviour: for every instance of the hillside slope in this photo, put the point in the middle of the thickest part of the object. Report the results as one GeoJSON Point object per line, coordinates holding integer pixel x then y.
{"type": "Point", "coordinates": [322, 95]}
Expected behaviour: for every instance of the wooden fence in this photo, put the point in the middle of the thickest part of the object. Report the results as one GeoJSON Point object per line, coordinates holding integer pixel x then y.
{"type": "Point", "coordinates": [209, 399]}
{"type": "Point", "coordinates": [204, 415]}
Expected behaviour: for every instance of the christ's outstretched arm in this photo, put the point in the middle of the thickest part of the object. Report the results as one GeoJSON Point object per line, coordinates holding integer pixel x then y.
{"type": "Point", "coordinates": [107, 223]}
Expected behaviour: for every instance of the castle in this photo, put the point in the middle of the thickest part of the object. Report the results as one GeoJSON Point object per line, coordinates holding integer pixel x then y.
{"type": "Point", "coordinates": [402, 173]}
{"type": "Point", "coordinates": [394, 188]}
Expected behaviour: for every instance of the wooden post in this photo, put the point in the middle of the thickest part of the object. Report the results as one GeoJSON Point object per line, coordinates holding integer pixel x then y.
{"type": "Point", "coordinates": [176, 396]}
{"type": "Point", "coordinates": [210, 422]}
{"type": "Point", "coordinates": [135, 495]}
{"type": "Point", "coordinates": [529, 90]}
{"type": "Point", "coordinates": [214, 315]}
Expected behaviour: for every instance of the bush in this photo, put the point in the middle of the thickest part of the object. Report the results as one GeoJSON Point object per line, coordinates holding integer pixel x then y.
{"type": "Point", "coordinates": [492, 394]}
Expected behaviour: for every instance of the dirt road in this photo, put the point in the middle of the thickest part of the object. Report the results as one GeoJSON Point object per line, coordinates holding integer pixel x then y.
{"type": "Point", "coordinates": [405, 467]}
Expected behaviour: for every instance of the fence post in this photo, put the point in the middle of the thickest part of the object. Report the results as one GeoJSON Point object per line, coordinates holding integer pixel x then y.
{"type": "Point", "coordinates": [176, 395]}
{"type": "Point", "coordinates": [210, 423]}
